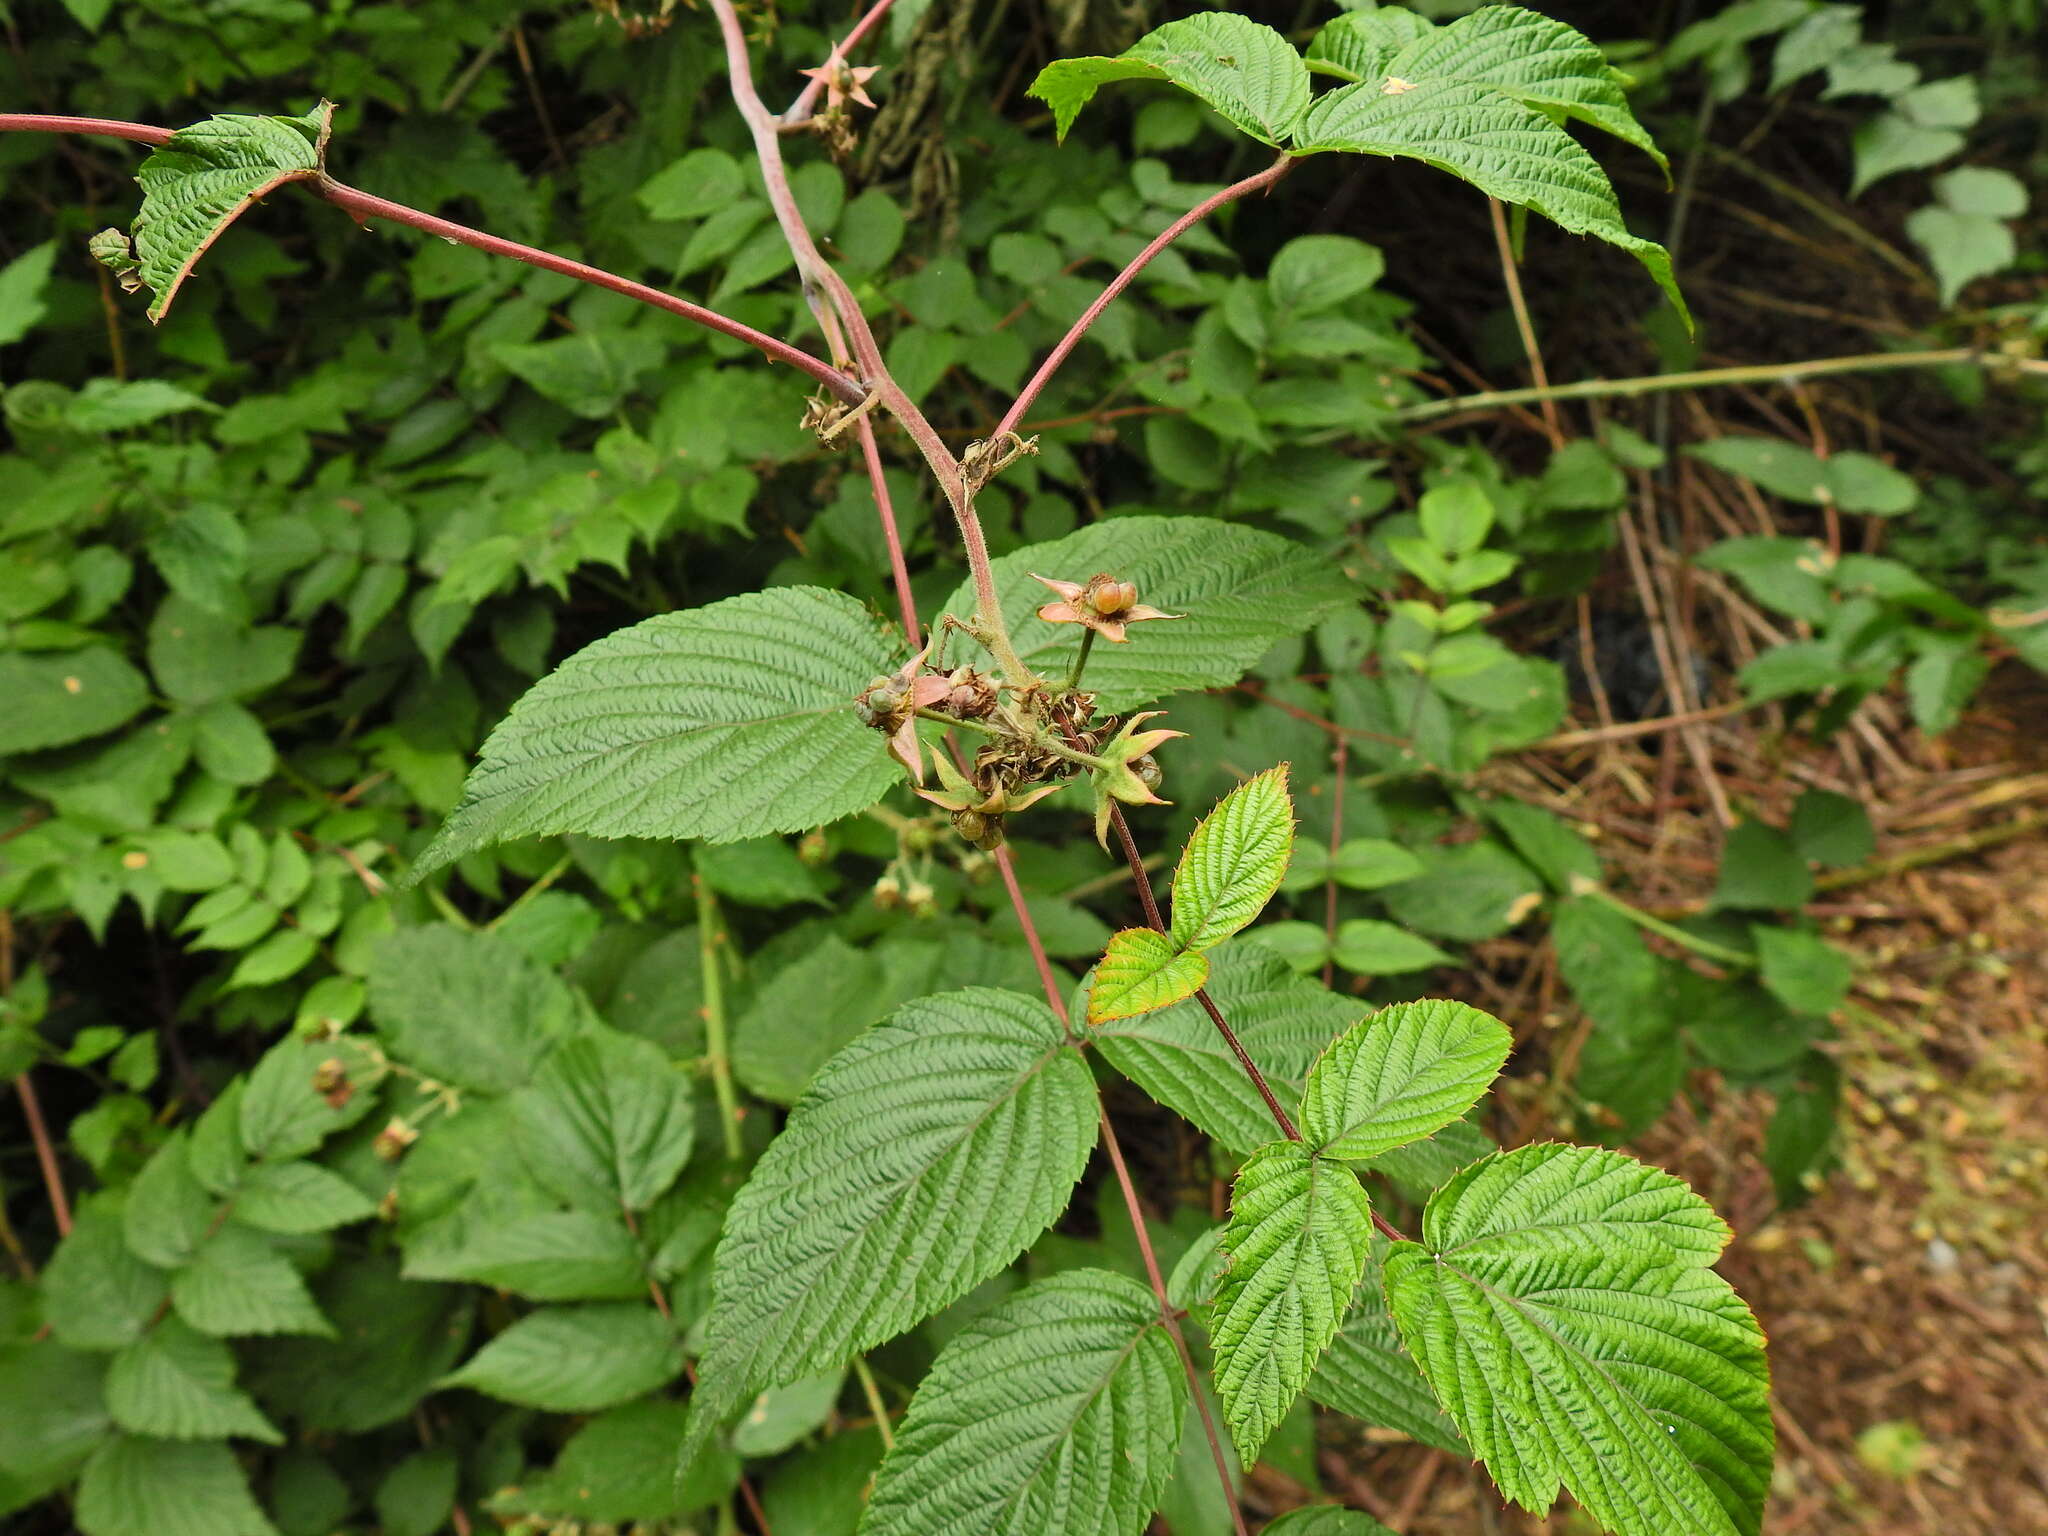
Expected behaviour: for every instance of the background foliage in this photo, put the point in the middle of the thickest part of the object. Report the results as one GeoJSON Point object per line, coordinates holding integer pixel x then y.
{"type": "Point", "coordinates": [342, 1253]}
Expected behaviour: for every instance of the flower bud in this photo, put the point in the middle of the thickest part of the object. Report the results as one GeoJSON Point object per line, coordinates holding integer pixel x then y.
{"type": "Point", "coordinates": [814, 848]}
{"type": "Point", "coordinates": [392, 1141]}
{"type": "Point", "coordinates": [888, 893]}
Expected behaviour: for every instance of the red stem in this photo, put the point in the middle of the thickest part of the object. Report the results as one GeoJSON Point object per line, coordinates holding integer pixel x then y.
{"type": "Point", "coordinates": [1123, 279]}
{"type": "Point", "coordinates": [1158, 925]}
{"type": "Point", "coordinates": [364, 205]}
{"type": "Point", "coordinates": [884, 510]}
{"type": "Point", "coordinates": [46, 1152]}
{"type": "Point", "coordinates": [800, 109]}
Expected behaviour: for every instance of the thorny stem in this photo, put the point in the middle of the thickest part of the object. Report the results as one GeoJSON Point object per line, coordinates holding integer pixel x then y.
{"type": "Point", "coordinates": [1158, 925]}
{"type": "Point", "coordinates": [1707, 378]}
{"type": "Point", "coordinates": [710, 940]}
{"type": "Point", "coordinates": [871, 455]}
{"type": "Point", "coordinates": [364, 205]}
{"type": "Point", "coordinates": [1123, 279]}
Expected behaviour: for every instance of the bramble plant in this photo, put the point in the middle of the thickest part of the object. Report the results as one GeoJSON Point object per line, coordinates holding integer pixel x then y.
{"type": "Point", "coordinates": [1555, 1314]}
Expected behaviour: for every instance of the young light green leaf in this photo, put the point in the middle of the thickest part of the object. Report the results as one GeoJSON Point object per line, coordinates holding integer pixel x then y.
{"type": "Point", "coordinates": [723, 722]}
{"type": "Point", "coordinates": [1233, 862]}
{"type": "Point", "coordinates": [921, 1159]}
{"type": "Point", "coordinates": [1367, 1374]}
{"type": "Point", "coordinates": [1240, 590]}
{"type": "Point", "coordinates": [1176, 1055]}
{"type": "Point", "coordinates": [1300, 1231]}
{"type": "Point", "coordinates": [1505, 149]}
{"type": "Point", "coordinates": [1402, 1074]}
{"type": "Point", "coordinates": [201, 181]}
{"type": "Point", "coordinates": [179, 1384]}
{"type": "Point", "coordinates": [1142, 970]}
{"type": "Point", "coordinates": [22, 282]}
{"type": "Point", "coordinates": [1560, 1306]}
{"type": "Point", "coordinates": [238, 1284]}
{"type": "Point", "coordinates": [1058, 1413]}
{"type": "Point", "coordinates": [576, 1359]}
{"type": "Point", "coordinates": [136, 1486]}
{"type": "Point", "coordinates": [607, 1122]}
{"type": "Point", "coordinates": [1247, 72]}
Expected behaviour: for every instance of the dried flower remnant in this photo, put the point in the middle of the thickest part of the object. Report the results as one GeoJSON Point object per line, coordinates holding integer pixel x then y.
{"type": "Point", "coordinates": [1102, 603]}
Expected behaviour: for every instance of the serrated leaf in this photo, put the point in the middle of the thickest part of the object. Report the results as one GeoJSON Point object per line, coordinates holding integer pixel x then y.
{"type": "Point", "coordinates": [41, 1446]}
{"type": "Point", "coordinates": [203, 179]}
{"type": "Point", "coordinates": [921, 1159]}
{"type": "Point", "coordinates": [238, 1284]}
{"type": "Point", "coordinates": [605, 1473]}
{"type": "Point", "coordinates": [169, 1210]}
{"type": "Point", "coordinates": [1505, 149]}
{"type": "Point", "coordinates": [298, 1197]}
{"type": "Point", "coordinates": [1561, 1307]}
{"type": "Point", "coordinates": [1239, 590]}
{"type": "Point", "coordinates": [1300, 1231]}
{"type": "Point", "coordinates": [1058, 1413]}
{"type": "Point", "coordinates": [1366, 1373]}
{"type": "Point", "coordinates": [96, 1293]}
{"type": "Point", "coordinates": [416, 1495]}
{"type": "Point", "coordinates": [545, 1255]}
{"type": "Point", "coordinates": [723, 722]}
{"type": "Point", "coordinates": [1531, 58]}
{"type": "Point", "coordinates": [1176, 1055]}
{"type": "Point", "coordinates": [54, 700]}
{"type": "Point", "coordinates": [576, 1359]}
{"type": "Point", "coordinates": [466, 1008]}
{"type": "Point", "coordinates": [607, 1122]}
{"type": "Point", "coordinates": [1802, 970]}
{"type": "Point", "coordinates": [1247, 72]}
{"type": "Point", "coordinates": [178, 1384]}
{"type": "Point", "coordinates": [1359, 44]}
{"type": "Point", "coordinates": [1233, 861]}
{"type": "Point", "coordinates": [146, 1487]}
{"type": "Point", "coordinates": [1139, 972]}
{"type": "Point", "coordinates": [285, 1113]}
{"type": "Point", "coordinates": [1369, 946]}
{"type": "Point", "coordinates": [22, 282]}
{"type": "Point", "coordinates": [1402, 1074]}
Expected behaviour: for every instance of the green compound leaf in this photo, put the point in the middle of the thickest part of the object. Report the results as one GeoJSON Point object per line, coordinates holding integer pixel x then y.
{"type": "Point", "coordinates": [1239, 589]}
{"type": "Point", "coordinates": [1176, 1055]}
{"type": "Point", "coordinates": [176, 1383]}
{"type": "Point", "coordinates": [1248, 73]}
{"type": "Point", "coordinates": [1058, 1413]}
{"type": "Point", "coordinates": [299, 1197]}
{"type": "Point", "coordinates": [1484, 133]}
{"type": "Point", "coordinates": [1539, 62]}
{"type": "Point", "coordinates": [728, 721]}
{"type": "Point", "coordinates": [202, 180]}
{"type": "Point", "coordinates": [1561, 1307]}
{"type": "Point", "coordinates": [1366, 1373]}
{"type": "Point", "coordinates": [1402, 1074]}
{"type": "Point", "coordinates": [923, 1158]}
{"type": "Point", "coordinates": [1234, 861]}
{"type": "Point", "coordinates": [144, 1487]}
{"type": "Point", "coordinates": [1142, 971]}
{"type": "Point", "coordinates": [1299, 1235]}
{"type": "Point", "coordinates": [238, 1284]}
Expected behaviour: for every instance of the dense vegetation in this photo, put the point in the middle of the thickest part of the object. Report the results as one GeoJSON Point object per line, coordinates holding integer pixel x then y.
{"type": "Point", "coordinates": [387, 1143]}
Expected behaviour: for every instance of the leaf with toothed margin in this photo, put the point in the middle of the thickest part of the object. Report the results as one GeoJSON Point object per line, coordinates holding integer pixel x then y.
{"type": "Point", "coordinates": [200, 182]}
{"type": "Point", "coordinates": [1561, 1307]}
{"type": "Point", "coordinates": [1247, 72]}
{"type": "Point", "coordinates": [724, 722]}
{"type": "Point", "coordinates": [1402, 1074]}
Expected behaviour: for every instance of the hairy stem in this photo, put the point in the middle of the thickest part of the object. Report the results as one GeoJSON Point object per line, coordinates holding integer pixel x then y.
{"type": "Point", "coordinates": [872, 1391]}
{"type": "Point", "coordinates": [1707, 378]}
{"type": "Point", "coordinates": [710, 941]}
{"type": "Point", "coordinates": [1511, 274]}
{"type": "Point", "coordinates": [871, 456]}
{"type": "Point", "coordinates": [1123, 279]}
